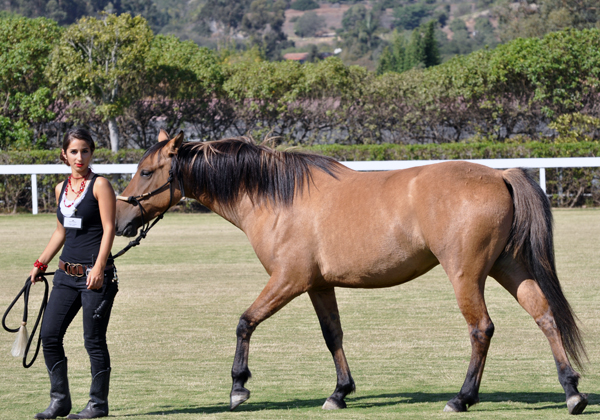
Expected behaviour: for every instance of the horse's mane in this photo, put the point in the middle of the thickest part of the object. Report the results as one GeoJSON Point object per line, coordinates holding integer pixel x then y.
{"type": "Point", "coordinates": [223, 170]}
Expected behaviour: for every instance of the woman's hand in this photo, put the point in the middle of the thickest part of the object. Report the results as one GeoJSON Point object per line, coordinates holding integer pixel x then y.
{"type": "Point", "coordinates": [35, 274]}
{"type": "Point", "coordinates": [95, 279]}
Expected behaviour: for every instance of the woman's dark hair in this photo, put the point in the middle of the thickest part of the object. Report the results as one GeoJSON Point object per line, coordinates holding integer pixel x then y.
{"type": "Point", "coordinates": [77, 133]}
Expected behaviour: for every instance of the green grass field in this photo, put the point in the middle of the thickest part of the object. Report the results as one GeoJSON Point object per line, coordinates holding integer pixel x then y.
{"type": "Point", "coordinates": [172, 334]}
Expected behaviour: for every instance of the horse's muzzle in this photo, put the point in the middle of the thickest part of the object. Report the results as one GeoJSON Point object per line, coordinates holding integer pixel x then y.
{"type": "Point", "coordinates": [128, 231]}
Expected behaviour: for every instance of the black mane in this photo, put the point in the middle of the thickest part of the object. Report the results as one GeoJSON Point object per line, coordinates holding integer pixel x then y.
{"type": "Point", "coordinates": [223, 170]}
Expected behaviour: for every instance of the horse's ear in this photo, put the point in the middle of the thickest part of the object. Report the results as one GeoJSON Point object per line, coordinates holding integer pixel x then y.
{"type": "Point", "coordinates": [163, 135]}
{"type": "Point", "coordinates": [173, 145]}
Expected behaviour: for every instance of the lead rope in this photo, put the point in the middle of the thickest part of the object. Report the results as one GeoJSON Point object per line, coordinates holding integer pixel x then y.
{"type": "Point", "coordinates": [143, 232]}
{"type": "Point", "coordinates": [22, 331]}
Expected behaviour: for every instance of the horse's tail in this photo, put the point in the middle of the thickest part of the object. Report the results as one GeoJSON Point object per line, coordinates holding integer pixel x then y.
{"type": "Point", "coordinates": [531, 242]}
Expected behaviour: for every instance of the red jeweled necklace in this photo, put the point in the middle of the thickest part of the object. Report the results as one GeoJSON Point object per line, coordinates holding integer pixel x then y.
{"type": "Point", "coordinates": [78, 193]}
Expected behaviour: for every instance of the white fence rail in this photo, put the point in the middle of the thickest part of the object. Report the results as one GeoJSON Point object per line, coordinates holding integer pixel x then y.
{"type": "Point", "coordinates": [35, 170]}
{"type": "Point", "coordinates": [386, 165]}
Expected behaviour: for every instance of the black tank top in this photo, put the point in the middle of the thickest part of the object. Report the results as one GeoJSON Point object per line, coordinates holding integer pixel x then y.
{"type": "Point", "coordinates": [83, 245]}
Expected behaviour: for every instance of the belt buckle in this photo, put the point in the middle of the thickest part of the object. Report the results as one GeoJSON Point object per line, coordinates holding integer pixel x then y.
{"type": "Point", "coordinates": [71, 266]}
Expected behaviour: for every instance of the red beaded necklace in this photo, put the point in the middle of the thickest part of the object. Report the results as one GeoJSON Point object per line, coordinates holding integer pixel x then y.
{"type": "Point", "coordinates": [78, 193]}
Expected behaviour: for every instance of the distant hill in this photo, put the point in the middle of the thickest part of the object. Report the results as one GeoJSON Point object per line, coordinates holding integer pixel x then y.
{"type": "Point", "coordinates": [362, 29]}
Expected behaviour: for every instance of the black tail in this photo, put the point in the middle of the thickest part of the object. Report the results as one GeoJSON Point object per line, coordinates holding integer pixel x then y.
{"type": "Point", "coordinates": [531, 242]}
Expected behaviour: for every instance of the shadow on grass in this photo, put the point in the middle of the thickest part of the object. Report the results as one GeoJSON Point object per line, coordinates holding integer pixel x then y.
{"type": "Point", "coordinates": [549, 401]}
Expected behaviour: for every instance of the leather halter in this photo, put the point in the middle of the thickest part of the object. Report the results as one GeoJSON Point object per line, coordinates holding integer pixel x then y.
{"type": "Point", "coordinates": [135, 200]}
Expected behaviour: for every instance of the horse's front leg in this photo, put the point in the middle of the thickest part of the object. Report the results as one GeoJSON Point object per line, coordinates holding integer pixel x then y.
{"type": "Point", "coordinates": [326, 308]}
{"type": "Point", "coordinates": [277, 293]}
{"type": "Point", "coordinates": [240, 373]}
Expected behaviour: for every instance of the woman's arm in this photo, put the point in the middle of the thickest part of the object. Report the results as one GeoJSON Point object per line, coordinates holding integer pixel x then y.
{"type": "Point", "coordinates": [107, 204]}
{"type": "Point", "coordinates": [57, 240]}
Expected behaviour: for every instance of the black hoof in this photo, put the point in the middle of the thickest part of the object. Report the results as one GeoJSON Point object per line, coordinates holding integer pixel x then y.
{"type": "Point", "coordinates": [334, 404]}
{"type": "Point", "coordinates": [451, 408]}
{"type": "Point", "coordinates": [238, 397]}
{"type": "Point", "coordinates": [458, 405]}
{"type": "Point", "coordinates": [577, 403]}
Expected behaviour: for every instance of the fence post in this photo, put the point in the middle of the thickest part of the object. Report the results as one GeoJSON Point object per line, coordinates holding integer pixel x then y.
{"type": "Point", "coordinates": [34, 194]}
{"type": "Point", "coordinates": [543, 179]}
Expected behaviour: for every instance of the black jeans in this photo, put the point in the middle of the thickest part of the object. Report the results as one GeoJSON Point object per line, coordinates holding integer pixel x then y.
{"type": "Point", "coordinates": [68, 295]}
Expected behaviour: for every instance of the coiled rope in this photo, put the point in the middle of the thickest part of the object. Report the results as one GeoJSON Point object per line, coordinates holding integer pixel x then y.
{"type": "Point", "coordinates": [25, 292]}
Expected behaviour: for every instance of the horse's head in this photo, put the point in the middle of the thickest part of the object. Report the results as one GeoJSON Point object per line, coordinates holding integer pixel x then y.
{"type": "Point", "coordinates": [149, 193]}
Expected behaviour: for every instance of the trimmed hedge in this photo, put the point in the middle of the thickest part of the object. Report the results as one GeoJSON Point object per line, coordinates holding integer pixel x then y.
{"type": "Point", "coordinates": [566, 187]}
{"type": "Point", "coordinates": [458, 151]}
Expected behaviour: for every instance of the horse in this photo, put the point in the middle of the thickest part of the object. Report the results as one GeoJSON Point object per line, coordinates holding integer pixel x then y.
{"type": "Point", "coordinates": [316, 225]}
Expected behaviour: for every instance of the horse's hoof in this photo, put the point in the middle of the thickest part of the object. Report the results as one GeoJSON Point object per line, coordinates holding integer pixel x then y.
{"type": "Point", "coordinates": [449, 409]}
{"type": "Point", "coordinates": [577, 403]}
{"type": "Point", "coordinates": [456, 405]}
{"type": "Point", "coordinates": [332, 404]}
{"type": "Point", "coordinates": [238, 398]}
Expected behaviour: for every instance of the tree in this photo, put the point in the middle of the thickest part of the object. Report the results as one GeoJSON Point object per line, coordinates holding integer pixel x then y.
{"type": "Point", "coordinates": [410, 16]}
{"type": "Point", "coordinates": [393, 56]}
{"type": "Point", "coordinates": [421, 51]}
{"type": "Point", "coordinates": [101, 61]}
{"type": "Point", "coordinates": [309, 24]}
{"type": "Point", "coordinates": [263, 24]}
{"type": "Point", "coordinates": [360, 27]}
{"type": "Point", "coordinates": [530, 20]}
{"type": "Point", "coordinates": [484, 35]}
{"type": "Point", "coordinates": [304, 5]}
{"type": "Point", "coordinates": [313, 54]}
{"type": "Point", "coordinates": [63, 11]}
{"type": "Point", "coordinates": [227, 14]}
{"type": "Point", "coordinates": [415, 51]}
{"type": "Point", "coordinates": [145, 8]}
{"type": "Point", "coordinates": [180, 84]}
{"type": "Point", "coordinates": [431, 51]}
{"type": "Point", "coordinates": [66, 12]}
{"type": "Point", "coordinates": [25, 46]}
{"type": "Point", "coordinates": [461, 42]}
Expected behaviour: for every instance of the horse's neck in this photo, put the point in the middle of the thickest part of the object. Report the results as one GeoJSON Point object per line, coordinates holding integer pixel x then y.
{"type": "Point", "coordinates": [244, 214]}
{"type": "Point", "coordinates": [235, 214]}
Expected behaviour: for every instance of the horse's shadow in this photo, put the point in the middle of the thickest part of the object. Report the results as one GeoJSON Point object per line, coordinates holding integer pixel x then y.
{"type": "Point", "coordinates": [549, 400]}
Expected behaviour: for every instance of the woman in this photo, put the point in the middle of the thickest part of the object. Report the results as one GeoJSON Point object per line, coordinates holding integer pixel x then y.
{"type": "Point", "coordinates": [85, 231]}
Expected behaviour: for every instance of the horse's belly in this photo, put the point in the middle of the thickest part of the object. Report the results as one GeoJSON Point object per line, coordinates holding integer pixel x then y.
{"type": "Point", "coordinates": [364, 270]}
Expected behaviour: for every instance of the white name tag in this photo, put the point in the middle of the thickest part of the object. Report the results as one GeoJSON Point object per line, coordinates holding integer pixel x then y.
{"type": "Point", "coordinates": [72, 222]}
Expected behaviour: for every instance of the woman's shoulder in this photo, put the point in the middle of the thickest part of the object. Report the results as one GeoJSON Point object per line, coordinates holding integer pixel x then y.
{"type": "Point", "coordinates": [102, 181]}
{"type": "Point", "coordinates": [59, 187]}
{"type": "Point", "coordinates": [102, 184]}
{"type": "Point", "coordinates": [58, 190]}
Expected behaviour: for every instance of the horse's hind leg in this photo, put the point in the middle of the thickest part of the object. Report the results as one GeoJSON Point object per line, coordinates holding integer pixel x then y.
{"type": "Point", "coordinates": [520, 284]}
{"type": "Point", "coordinates": [469, 295]}
{"type": "Point", "coordinates": [325, 306]}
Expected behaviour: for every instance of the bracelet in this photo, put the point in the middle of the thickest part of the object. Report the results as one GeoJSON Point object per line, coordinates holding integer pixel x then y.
{"type": "Point", "coordinates": [43, 267]}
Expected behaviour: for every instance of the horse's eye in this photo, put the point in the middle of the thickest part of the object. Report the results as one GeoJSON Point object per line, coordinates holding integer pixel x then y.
{"type": "Point", "coordinates": [146, 174]}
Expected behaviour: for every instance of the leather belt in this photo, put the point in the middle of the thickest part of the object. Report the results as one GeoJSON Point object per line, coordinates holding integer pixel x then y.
{"type": "Point", "coordinates": [76, 270]}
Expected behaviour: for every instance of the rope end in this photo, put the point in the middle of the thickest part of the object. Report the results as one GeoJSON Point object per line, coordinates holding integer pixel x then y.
{"type": "Point", "coordinates": [20, 344]}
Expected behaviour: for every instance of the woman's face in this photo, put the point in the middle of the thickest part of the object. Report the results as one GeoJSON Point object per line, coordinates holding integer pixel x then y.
{"type": "Point", "coordinates": [79, 156]}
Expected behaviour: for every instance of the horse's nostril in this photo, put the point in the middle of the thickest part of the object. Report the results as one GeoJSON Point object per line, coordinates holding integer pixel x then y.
{"type": "Point", "coordinates": [129, 230]}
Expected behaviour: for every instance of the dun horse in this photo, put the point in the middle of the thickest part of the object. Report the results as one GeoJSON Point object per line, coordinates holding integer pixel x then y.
{"type": "Point", "coordinates": [316, 225]}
